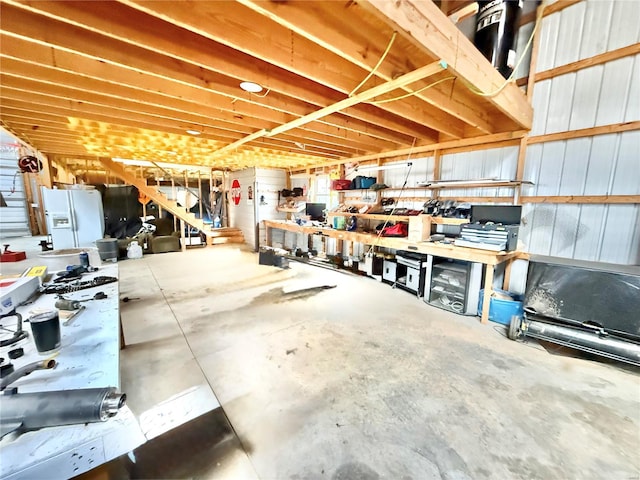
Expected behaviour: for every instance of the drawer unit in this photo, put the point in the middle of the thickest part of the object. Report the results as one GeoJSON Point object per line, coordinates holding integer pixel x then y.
{"type": "Point", "coordinates": [389, 271]}
{"type": "Point", "coordinates": [453, 285]}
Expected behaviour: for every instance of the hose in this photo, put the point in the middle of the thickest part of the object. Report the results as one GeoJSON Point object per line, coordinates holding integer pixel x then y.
{"type": "Point", "coordinates": [26, 370]}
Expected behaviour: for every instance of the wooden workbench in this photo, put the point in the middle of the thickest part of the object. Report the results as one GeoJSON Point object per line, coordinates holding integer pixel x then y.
{"type": "Point", "coordinates": [89, 358]}
{"type": "Point", "coordinates": [486, 257]}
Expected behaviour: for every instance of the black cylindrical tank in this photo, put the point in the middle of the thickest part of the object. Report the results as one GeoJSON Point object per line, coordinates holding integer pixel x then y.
{"type": "Point", "coordinates": [496, 29]}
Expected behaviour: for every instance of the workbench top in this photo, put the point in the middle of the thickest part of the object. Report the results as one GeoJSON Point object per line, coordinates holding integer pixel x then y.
{"type": "Point", "coordinates": [88, 358]}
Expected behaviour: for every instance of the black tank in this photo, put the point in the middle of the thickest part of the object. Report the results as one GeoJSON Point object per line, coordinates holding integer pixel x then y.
{"type": "Point", "coordinates": [496, 30]}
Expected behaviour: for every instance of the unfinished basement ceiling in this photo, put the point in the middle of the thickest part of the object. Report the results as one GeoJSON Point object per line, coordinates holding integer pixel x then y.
{"type": "Point", "coordinates": [83, 80]}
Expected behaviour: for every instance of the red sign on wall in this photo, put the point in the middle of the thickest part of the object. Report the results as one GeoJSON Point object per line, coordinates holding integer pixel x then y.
{"type": "Point", "coordinates": [235, 192]}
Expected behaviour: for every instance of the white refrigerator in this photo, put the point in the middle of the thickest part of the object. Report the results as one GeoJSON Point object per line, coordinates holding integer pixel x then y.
{"type": "Point", "coordinates": [75, 218]}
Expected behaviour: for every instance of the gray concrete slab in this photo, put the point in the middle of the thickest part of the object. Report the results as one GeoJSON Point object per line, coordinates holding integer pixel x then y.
{"type": "Point", "coordinates": [365, 381]}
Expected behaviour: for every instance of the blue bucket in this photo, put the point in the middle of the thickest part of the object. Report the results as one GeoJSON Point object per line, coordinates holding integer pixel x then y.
{"type": "Point", "coordinates": [501, 311]}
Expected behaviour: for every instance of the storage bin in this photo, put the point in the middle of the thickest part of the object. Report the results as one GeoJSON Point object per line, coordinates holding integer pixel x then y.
{"type": "Point", "coordinates": [501, 311]}
{"type": "Point", "coordinates": [340, 184]}
{"type": "Point", "coordinates": [361, 182]}
{"type": "Point", "coordinates": [108, 249]}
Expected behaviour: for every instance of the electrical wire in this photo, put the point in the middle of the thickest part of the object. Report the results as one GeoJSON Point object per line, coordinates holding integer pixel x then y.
{"type": "Point", "coordinates": [509, 80]}
{"type": "Point", "coordinates": [402, 97]}
{"type": "Point", "coordinates": [384, 55]}
{"type": "Point", "coordinates": [13, 185]}
{"type": "Point", "coordinates": [404, 185]}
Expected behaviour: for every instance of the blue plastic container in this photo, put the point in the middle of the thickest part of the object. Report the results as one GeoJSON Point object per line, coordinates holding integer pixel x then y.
{"type": "Point", "coordinates": [501, 311]}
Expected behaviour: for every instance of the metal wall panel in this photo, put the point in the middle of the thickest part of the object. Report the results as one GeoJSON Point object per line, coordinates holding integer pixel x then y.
{"type": "Point", "coordinates": [588, 28]}
{"type": "Point", "coordinates": [601, 165]}
{"type": "Point", "coordinates": [560, 103]}
{"type": "Point", "coordinates": [570, 34]}
{"type": "Point", "coordinates": [268, 183]}
{"type": "Point", "coordinates": [615, 91]}
{"type": "Point", "coordinates": [242, 216]}
{"type": "Point", "coordinates": [633, 106]}
{"type": "Point", "coordinates": [625, 28]}
{"type": "Point", "coordinates": [598, 17]}
{"type": "Point", "coordinates": [586, 96]}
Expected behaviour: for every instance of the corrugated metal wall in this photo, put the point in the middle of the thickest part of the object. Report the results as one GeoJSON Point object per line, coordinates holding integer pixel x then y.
{"type": "Point", "coordinates": [242, 216]}
{"type": "Point", "coordinates": [14, 220]}
{"type": "Point", "coordinates": [249, 213]}
{"type": "Point", "coordinates": [601, 165]}
{"type": "Point", "coordinates": [268, 183]}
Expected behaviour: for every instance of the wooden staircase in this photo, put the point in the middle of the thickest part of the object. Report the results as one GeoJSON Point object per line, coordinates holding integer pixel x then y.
{"type": "Point", "coordinates": [215, 236]}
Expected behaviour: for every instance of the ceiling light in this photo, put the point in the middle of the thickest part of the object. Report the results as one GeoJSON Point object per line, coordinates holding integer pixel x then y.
{"type": "Point", "coordinates": [251, 87]}
{"type": "Point", "coordinates": [193, 131]}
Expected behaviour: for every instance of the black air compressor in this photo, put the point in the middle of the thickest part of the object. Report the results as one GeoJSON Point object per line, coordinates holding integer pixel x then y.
{"type": "Point", "coordinates": [496, 30]}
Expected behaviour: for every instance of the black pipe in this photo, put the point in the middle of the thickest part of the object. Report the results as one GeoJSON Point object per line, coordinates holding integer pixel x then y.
{"type": "Point", "coordinates": [26, 370]}
{"type": "Point", "coordinates": [598, 343]}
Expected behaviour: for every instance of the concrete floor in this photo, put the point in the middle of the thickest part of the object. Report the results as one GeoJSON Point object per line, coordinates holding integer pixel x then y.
{"type": "Point", "coordinates": [361, 381]}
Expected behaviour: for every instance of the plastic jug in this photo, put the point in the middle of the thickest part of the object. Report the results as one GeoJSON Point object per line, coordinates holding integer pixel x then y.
{"type": "Point", "coordinates": [134, 250]}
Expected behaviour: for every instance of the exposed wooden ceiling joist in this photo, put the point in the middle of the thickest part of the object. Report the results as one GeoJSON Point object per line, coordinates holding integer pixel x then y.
{"type": "Point", "coordinates": [80, 75]}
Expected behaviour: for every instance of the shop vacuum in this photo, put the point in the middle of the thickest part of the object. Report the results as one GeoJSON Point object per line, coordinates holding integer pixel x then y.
{"type": "Point", "coordinates": [496, 30]}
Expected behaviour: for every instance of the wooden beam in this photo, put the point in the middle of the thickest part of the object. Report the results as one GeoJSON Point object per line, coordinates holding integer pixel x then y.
{"type": "Point", "coordinates": [533, 62]}
{"type": "Point", "coordinates": [81, 88]}
{"type": "Point", "coordinates": [549, 10]}
{"type": "Point", "coordinates": [503, 199]}
{"type": "Point", "coordinates": [341, 76]}
{"type": "Point", "coordinates": [119, 23]}
{"type": "Point", "coordinates": [445, 147]}
{"type": "Point", "coordinates": [170, 93]}
{"type": "Point", "coordinates": [407, 79]}
{"type": "Point", "coordinates": [522, 157]}
{"type": "Point", "coordinates": [585, 132]}
{"type": "Point", "coordinates": [27, 27]}
{"type": "Point", "coordinates": [437, 171]}
{"type": "Point", "coordinates": [434, 32]}
{"type": "Point", "coordinates": [589, 62]}
{"type": "Point", "coordinates": [584, 199]}
{"type": "Point", "coordinates": [559, 6]}
{"type": "Point", "coordinates": [335, 37]}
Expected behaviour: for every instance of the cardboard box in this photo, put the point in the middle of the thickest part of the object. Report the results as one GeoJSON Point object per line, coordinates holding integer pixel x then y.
{"type": "Point", "coordinates": [419, 228]}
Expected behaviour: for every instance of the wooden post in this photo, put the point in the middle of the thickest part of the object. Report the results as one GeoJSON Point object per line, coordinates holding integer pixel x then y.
{"type": "Point", "coordinates": [159, 206]}
{"type": "Point", "coordinates": [175, 199]}
{"type": "Point", "coordinates": [522, 156]}
{"type": "Point", "coordinates": [182, 239]}
{"type": "Point", "coordinates": [29, 195]}
{"type": "Point", "coordinates": [211, 196]}
{"type": "Point", "coordinates": [200, 195]}
{"type": "Point", "coordinates": [437, 171]}
{"type": "Point", "coordinates": [224, 211]}
{"type": "Point", "coordinates": [531, 81]}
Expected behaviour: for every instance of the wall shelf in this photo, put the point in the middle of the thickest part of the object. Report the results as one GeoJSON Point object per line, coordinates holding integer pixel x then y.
{"type": "Point", "coordinates": [437, 185]}
{"type": "Point", "coordinates": [297, 209]}
{"type": "Point", "coordinates": [372, 216]}
{"type": "Point", "coordinates": [400, 218]}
